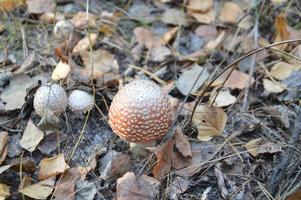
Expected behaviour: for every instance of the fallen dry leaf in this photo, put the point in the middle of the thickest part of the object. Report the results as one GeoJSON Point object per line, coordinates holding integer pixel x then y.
{"type": "Point", "coordinates": [296, 195]}
{"type": "Point", "coordinates": [178, 186]}
{"type": "Point", "coordinates": [114, 164]}
{"type": "Point", "coordinates": [53, 166]}
{"type": "Point", "coordinates": [283, 70]}
{"type": "Point", "coordinates": [147, 37]}
{"type": "Point", "coordinates": [159, 54]}
{"type": "Point", "coordinates": [273, 86]}
{"type": "Point", "coordinates": [3, 145]}
{"type": "Point", "coordinates": [85, 190]}
{"type": "Point", "coordinates": [40, 190]}
{"type": "Point", "coordinates": [210, 121]}
{"type": "Point", "coordinates": [65, 189]}
{"type": "Point", "coordinates": [223, 98]}
{"type": "Point", "coordinates": [169, 35]}
{"type": "Point", "coordinates": [207, 32]}
{"type": "Point", "coordinates": [51, 17]}
{"type": "Point", "coordinates": [80, 21]}
{"type": "Point", "coordinates": [182, 144]}
{"type": "Point", "coordinates": [164, 162]}
{"type": "Point", "coordinates": [40, 6]}
{"type": "Point", "coordinates": [211, 45]}
{"type": "Point", "coordinates": [252, 146]}
{"type": "Point", "coordinates": [85, 43]}
{"type": "Point", "coordinates": [281, 31]}
{"type": "Point", "coordinates": [28, 62]}
{"type": "Point", "coordinates": [132, 187]}
{"type": "Point", "coordinates": [230, 12]}
{"type": "Point", "coordinates": [237, 79]}
{"type": "Point", "coordinates": [4, 191]}
{"type": "Point", "coordinates": [186, 82]}
{"type": "Point", "coordinates": [206, 18]}
{"type": "Point", "coordinates": [269, 148]}
{"type": "Point", "coordinates": [200, 6]}
{"type": "Point", "coordinates": [14, 94]}
{"type": "Point", "coordinates": [61, 71]}
{"type": "Point", "coordinates": [99, 62]}
{"type": "Point", "coordinates": [32, 136]}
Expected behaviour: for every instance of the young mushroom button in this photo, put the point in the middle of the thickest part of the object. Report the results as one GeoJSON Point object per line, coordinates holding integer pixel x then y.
{"type": "Point", "coordinates": [140, 112]}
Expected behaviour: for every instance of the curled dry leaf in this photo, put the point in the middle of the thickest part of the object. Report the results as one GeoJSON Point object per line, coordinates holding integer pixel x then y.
{"type": "Point", "coordinates": [61, 71]}
{"type": "Point", "coordinates": [210, 121]}
{"type": "Point", "coordinates": [281, 31]}
{"type": "Point", "coordinates": [85, 43]}
{"type": "Point", "coordinates": [131, 187]}
{"type": "Point", "coordinates": [4, 191]}
{"type": "Point", "coordinates": [273, 86]}
{"type": "Point", "coordinates": [230, 12]}
{"type": "Point", "coordinates": [3, 145]}
{"type": "Point", "coordinates": [258, 146]}
{"type": "Point", "coordinates": [237, 79]}
{"type": "Point", "coordinates": [31, 137]}
{"type": "Point", "coordinates": [53, 166]}
{"type": "Point", "coordinates": [40, 190]}
{"type": "Point", "coordinates": [283, 70]}
{"type": "Point", "coordinates": [169, 35]}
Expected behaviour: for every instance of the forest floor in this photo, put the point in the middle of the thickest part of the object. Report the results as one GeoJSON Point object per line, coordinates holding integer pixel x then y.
{"type": "Point", "coordinates": [232, 72]}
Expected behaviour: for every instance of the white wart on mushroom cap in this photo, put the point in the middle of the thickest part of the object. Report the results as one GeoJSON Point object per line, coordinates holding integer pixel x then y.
{"type": "Point", "coordinates": [51, 96]}
{"type": "Point", "coordinates": [140, 112]}
{"type": "Point", "coordinates": [80, 101]}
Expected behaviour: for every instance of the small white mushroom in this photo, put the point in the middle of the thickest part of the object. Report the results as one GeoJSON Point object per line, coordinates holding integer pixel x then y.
{"type": "Point", "coordinates": [140, 112]}
{"type": "Point", "coordinates": [80, 101]}
{"type": "Point", "coordinates": [51, 96]}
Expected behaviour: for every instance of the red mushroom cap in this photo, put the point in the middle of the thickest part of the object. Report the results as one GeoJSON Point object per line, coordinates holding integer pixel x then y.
{"type": "Point", "coordinates": [140, 112]}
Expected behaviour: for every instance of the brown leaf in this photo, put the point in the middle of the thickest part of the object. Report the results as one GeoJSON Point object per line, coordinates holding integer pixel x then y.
{"type": "Point", "coordinates": [169, 35]}
{"type": "Point", "coordinates": [237, 79]}
{"type": "Point", "coordinates": [253, 145]}
{"type": "Point", "coordinates": [147, 38]}
{"type": "Point", "coordinates": [132, 187]}
{"type": "Point", "coordinates": [295, 195]}
{"type": "Point", "coordinates": [283, 70]}
{"type": "Point", "coordinates": [164, 162]}
{"type": "Point", "coordinates": [53, 166]}
{"type": "Point", "coordinates": [114, 164]}
{"type": "Point", "coordinates": [182, 144]}
{"type": "Point", "coordinates": [40, 6]}
{"type": "Point", "coordinates": [230, 12]}
{"type": "Point", "coordinates": [3, 145]}
{"type": "Point", "coordinates": [66, 187]}
{"type": "Point", "coordinates": [207, 32]}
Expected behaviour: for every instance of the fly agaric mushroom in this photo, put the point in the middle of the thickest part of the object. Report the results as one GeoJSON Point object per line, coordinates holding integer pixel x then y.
{"type": "Point", "coordinates": [80, 101]}
{"type": "Point", "coordinates": [140, 112]}
{"type": "Point", "coordinates": [51, 96]}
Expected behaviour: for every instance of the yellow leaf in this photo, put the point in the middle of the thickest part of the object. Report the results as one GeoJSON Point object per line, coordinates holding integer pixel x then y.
{"type": "Point", "coordinates": [8, 5]}
{"type": "Point", "coordinates": [281, 31]}
{"type": "Point", "coordinates": [53, 166]}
